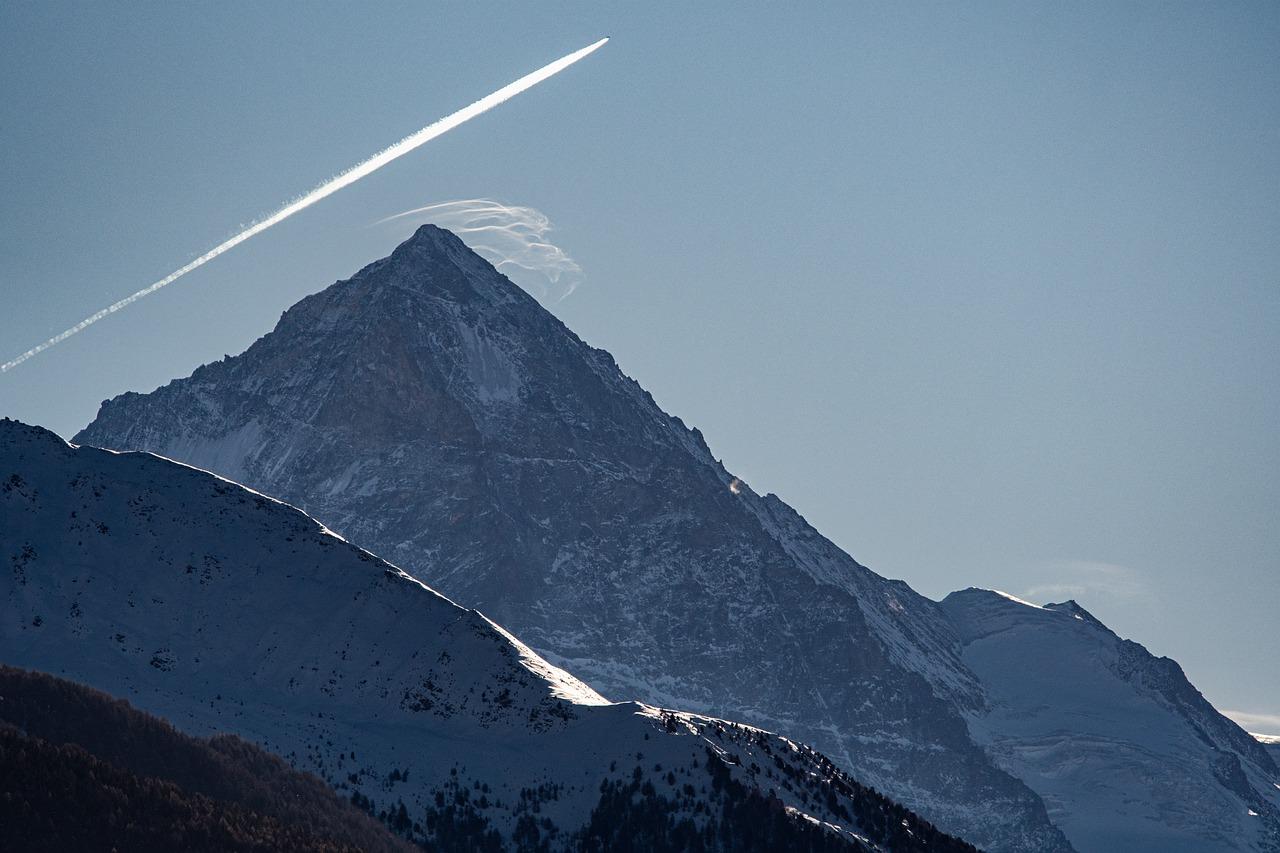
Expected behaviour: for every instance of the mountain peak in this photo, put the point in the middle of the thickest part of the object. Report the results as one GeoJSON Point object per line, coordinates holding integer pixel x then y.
{"type": "Point", "coordinates": [431, 232]}
{"type": "Point", "coordinates": [429, 409]}
{"type": "Point", "coordinates": [435, 262]}
{"type": "Point", "coordinates": [431, 241]}
{"type": "Point", "coordinates": [1076, 610]}
{"type": "Point", "coordinates": [977, 612]}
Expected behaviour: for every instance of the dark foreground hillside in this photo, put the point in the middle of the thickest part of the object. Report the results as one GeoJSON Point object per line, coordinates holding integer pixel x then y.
{"type": "Point", "coordinates": [80, 770]}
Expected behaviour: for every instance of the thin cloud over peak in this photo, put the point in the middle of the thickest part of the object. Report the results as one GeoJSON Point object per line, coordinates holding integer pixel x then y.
{"type": "Point", "coordinates": [514, 238]}
{"type": "Point", "coordinates": [1085, 579]}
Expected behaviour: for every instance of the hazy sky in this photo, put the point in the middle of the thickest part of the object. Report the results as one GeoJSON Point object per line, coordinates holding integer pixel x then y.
{"type": "Point", "coordinates": [989, 293]}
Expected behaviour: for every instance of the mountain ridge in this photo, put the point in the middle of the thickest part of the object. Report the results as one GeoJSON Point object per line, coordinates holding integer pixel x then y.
{"type": "Point", "coordinates": [429, 410]}
{"type": "Point", "coordinates": [565, 489]}
{"type": "Point", "coordinates": [220, 609]}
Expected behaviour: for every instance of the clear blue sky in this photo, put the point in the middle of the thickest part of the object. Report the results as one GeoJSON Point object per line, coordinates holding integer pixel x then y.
{"type": "Point", "coordinates": [990, 293]}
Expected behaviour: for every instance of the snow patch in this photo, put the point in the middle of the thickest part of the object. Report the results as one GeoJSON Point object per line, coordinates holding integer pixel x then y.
{"type": "Point", "coordinates": [1017, 600]}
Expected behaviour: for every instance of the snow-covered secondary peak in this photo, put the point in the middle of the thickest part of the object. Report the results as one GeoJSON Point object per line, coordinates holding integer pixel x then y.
{"type": "Point", "coordinates": [976, 612]}
{"type": "Point", "coordinates": [1124, 750]}
{"type": "Point", "coordinates": [428, 409]}
{"type": "Point", "coordinates": [220, 609]}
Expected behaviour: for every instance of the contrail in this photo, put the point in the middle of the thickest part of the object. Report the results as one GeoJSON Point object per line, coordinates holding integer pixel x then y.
{"type": "Point", "coordinates": [350, 176]}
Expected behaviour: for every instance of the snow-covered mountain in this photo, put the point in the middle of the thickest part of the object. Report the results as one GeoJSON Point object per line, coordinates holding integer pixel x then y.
{"type": "Point", "coordinates": [1124, 751]}
{"type": "Point", "coordinates": [431, 411]}
{"type": "Point", "coordinates": [221, 609]}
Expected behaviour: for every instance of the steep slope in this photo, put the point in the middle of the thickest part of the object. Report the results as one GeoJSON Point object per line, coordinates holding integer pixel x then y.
{"type": "Point", "coordinates": [82, 771]}
{"type": "Point", "coordinates": [431, 411]}
{"type": "Point", "coordinates": [220, 609]}
{"type": "Point", "coordinates": [1125, 752]}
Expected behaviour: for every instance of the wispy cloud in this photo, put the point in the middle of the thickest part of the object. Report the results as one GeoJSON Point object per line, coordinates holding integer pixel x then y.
{"type": "Point", "coordinates": [1085, 579]}
{"type": "Point", "coordinates": [513, 238]}
{"type": "Point", "coordinates": [1251, 721]}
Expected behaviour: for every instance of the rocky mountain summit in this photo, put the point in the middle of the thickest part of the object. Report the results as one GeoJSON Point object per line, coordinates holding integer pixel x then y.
{"type": "Point", "coordinates": [429, 410]}
{"type": "Point", "coordinates": [222, 610]}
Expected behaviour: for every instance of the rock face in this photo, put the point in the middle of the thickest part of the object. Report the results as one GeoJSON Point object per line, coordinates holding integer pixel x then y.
{"type": "Point", "coordinates": [429, 410]}
{"type": "Point", "coordinates": [220, 609]}
{"type": "Point", "coordinates": [1124, 751]}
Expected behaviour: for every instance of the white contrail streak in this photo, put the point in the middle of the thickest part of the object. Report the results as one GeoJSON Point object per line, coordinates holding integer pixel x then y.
{"type": "Point", "coordinates": [350, 176]}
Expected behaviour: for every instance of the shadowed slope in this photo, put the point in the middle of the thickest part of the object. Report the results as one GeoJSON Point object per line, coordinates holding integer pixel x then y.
{"type": "Point", "coordinates": [82, 771]}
